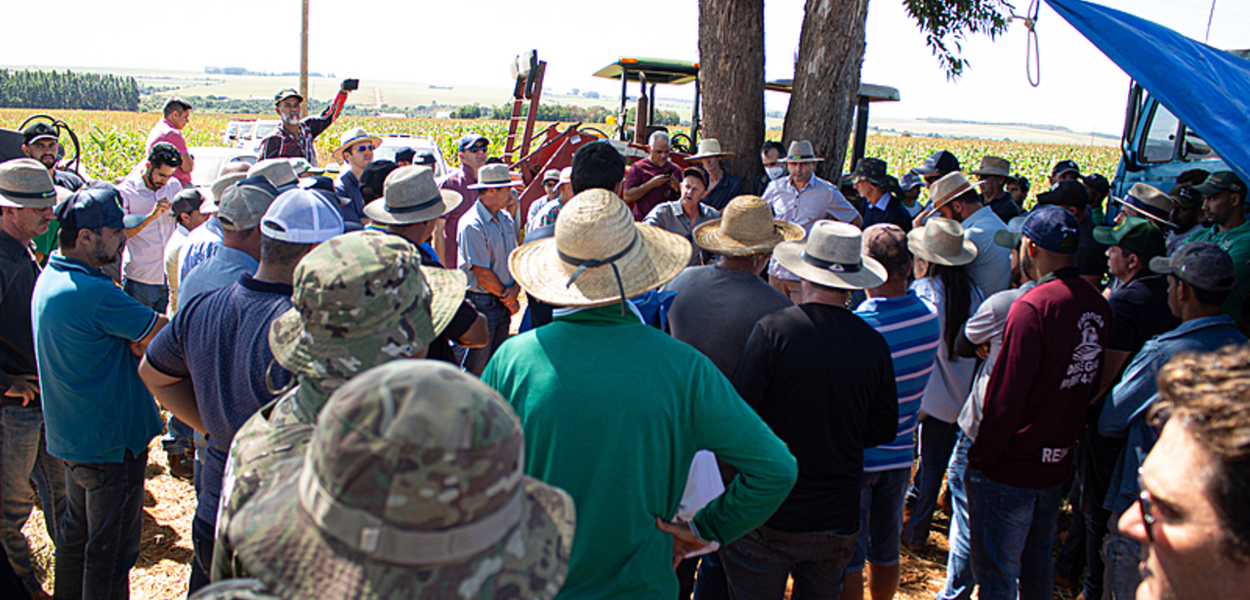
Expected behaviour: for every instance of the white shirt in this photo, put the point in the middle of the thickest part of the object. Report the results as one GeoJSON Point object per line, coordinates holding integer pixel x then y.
{"type": "Point", "coordinates": [144, 258]}
{"type": "Point", "coordinates": [951, 380]}
{"type": "Point", "coordinates": [991, 269]}
{"type": "Point", "coordinates": [171, 267]}
{"type": "Point", "coordinates": [818, 200]}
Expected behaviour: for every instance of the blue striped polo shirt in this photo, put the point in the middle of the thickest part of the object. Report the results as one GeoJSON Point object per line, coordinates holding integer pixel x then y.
{"type": "Point", "coordinates": [911, 329]}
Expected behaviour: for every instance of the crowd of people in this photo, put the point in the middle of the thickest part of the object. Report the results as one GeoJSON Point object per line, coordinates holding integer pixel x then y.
{"type": "Point", "coordinates": [718, 386]}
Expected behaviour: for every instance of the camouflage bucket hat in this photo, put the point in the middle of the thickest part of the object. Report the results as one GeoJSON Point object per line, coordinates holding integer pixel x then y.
{"type": "Point", "coordinates": [362, 299]}
{"type": "Point", "coordinates": [412, 487]}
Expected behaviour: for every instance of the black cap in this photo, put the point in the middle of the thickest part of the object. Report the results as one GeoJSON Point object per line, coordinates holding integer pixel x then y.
{"type": "Point", "coordinates": [287, 93]}
{"type": "Point", "coordinates": [187, 201]}
{"type": "Point", "coordinates": [405, 155]}
{"type": "Point", "coordinates": [96, 206]}
{"type": "Point", "coordinates": [1098, 183]}
{"type": "Point", "coordinates": [695, 172]}
{"type": "Point", "coordinates": [1222, 181]}
{"type": "Point", "coordinates": [38, 131]}
{"type": "Point", "coordinates": [373, 179]}
{"type": "Point", "coordinates": [425, 158]}
{"type": "Point", "coordinates": [941, 161]}
{"type": "Point", "coordinates": [1185, 196]}
{"type": "Point", "coordinates": [1065, 166]}
{"type": "Point", "coordinates": [322, 185]}
{"type": "Point", "coordinates": [1065, 193]}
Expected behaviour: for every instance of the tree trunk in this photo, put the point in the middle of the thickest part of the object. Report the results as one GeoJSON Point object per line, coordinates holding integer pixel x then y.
{"type": "Point", "coordinates": [731, 77]}
{"type": "Point", "coordinates": [826, 80]}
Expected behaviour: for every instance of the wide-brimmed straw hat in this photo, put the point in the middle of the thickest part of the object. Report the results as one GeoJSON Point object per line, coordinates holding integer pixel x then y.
{"type": "Point", "coordinates": [411, 196]}
{"type": "Point", "coordinates": [801, 151]}
{"type": "Point", "coordinates": [832, 256]}
{"type": "Point", "coordinates": [993, 165]}
{"type": "Point", "coordinates": [25, 183]}
{"type": "Point", "coordinates": [412, 486]}
{"type": "Point", "coordinates": [598, 255]}
{"type": "Point", "coordinates": [949, 187]}
{"type": "Point", "coordinates": [494, 176]}
{"type": "Point", "coordinates": [354, 136]}
{"type": "Point", "coordinates": [709, 148]}
{"type": "Point", "coordinates": [941, 241]}
{"type": "Point", "coordinates": [746, 228]}
{"type": "Point", "coordinates": [359, 300]}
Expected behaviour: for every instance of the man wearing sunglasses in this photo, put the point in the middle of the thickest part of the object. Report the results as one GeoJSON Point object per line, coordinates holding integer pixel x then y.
{"type": "Point", "coordinates": [1200, 276]}
{"type": "Point", "coordinates": [472, 150]}
{"type": "Point", "coordinates": [294, 139]}
{"type": "Point", "coordinates": [355, 152]}
{"type": "Point", "coordinates": [1191, 513]}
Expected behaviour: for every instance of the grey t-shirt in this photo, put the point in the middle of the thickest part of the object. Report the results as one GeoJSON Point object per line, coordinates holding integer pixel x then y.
{"type": "Point", "coordinates": [987, 325]}
{"type": "Point", "coordinates": [716, 309]}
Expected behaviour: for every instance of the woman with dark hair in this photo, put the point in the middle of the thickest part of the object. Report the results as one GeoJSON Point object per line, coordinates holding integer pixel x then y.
{"type": "Point", "coordinates": [942, 281]}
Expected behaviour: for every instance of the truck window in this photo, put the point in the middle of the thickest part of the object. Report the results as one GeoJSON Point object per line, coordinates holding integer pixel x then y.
{"type": "Point", "coordinates": [1160, 141]}
{"type": "Point", "coordinates": [1194, 147]}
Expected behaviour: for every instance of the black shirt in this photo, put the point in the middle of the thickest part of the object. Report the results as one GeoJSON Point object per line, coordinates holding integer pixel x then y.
{"type": "Point", "coordinates": [1091, 257]}
{"type": "Point", "coordinates": [1005, 207]}
{"type": "Point", "coordinates": [1139, 311]}
{"type": "Point", "coordinates": [466, 315]}
{"type": "Point", "coordinates": [823, 380]}
{"type": "Point", "coordinates": [17, 344]}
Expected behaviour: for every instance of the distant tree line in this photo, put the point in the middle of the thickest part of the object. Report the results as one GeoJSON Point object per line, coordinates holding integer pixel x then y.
{"type": "Point", "coordinates": [67, 90]}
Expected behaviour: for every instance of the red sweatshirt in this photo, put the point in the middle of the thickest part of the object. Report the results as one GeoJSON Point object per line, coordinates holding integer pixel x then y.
{"type": "Point", "coordinates": [1049, 369]}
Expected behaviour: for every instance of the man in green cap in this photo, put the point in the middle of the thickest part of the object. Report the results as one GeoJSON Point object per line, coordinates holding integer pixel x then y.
{"type": "Point", "coordinates": [359, 300]}
{"type": "Point", "coordinates": [1224, 204]}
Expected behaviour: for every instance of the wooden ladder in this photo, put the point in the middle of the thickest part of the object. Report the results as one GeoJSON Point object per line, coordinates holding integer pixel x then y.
{"type": "Point", "coordinates": [527, 89]}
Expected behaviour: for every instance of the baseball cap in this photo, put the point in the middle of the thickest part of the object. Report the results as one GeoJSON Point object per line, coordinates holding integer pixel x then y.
{"type": "Point", "coordinates": [1185, 196]}
{"type": "Point", "coordinates": [187, 201]}
{"type": "Point", "coordinates": [942, 161]}
{"type": "Point", "coordinates": [425, 158]}
{"type": "Point", "coordinates": [469, 140]}
{"type": "Point", "coordinates": [909, 181]}
{"type": "Point", "coordinates": [695, 172]}
{"type": "Point", "coordinates": [278, 171]}
{"type": "Point", "coordinates": [405, 155]}
{"type": "Point", "coordinates": [1010, 237]}
{"type": "Point", "coordinates": [551, 175]}
{"type": "Point", "coordinates": [1065, 166]}
{"type": "Point", "coordinates": [1053, 229]}
{"type": "Point", "coordinates": [301, 216]}
{"type": "Point", "coordinates": [1200, 264]}
{"type": "Point", "coordinates": [373, 179]}
{"type": "Point", "coordinates": [1221, 181]}
{"type": "Point", "coordinates": [1135, 234]}
{"type": "Point", "coordinates": [1065, 193]}
{"type": "Point", "coordinates": [322, 185]}
{"type": "Point", "coordinates": [97, 206]}
{"type": "Point", "coordinates": [218, 189]}
{"type": "Point", "coordinates": [1098, 183]}
{"type": "Point", "coordinates": [243, 205]}
{"type": "Point", "coordinates": [39, 131]}
{"type": "Point", "coordinates": [286, 93]}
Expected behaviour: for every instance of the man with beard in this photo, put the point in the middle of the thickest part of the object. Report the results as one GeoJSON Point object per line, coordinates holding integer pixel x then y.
{"type": "Point", "coordinates": [41, 143]}
{"type": "Point", "coordinates": [294, 139]}
{"type": "Point", "coordinates": [148, 193]}
{"type": "Point", "coordinates": [99, 417]}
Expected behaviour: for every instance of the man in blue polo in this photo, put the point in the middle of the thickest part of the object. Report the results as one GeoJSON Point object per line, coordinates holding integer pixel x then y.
{"type": "Point", "coordinates": [99, 417]}
{"type": "Point", "coordinates": [487, 236]}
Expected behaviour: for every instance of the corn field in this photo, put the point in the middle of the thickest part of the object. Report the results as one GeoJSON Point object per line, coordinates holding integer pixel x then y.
{"type": "Point", "coordinates": [112, 142]}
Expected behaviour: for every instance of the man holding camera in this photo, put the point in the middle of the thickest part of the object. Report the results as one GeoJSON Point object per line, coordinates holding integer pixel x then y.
{"type": "Point", "coordinates": [295, 138]}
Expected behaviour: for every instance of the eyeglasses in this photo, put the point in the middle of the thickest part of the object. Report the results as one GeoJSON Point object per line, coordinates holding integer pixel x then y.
{"type": "Point", "coordinates": [481, 148]}
{"type": "Point", "coordinates": [1146, 506]}
{"type": "Point", "coordinates": [365, 148]}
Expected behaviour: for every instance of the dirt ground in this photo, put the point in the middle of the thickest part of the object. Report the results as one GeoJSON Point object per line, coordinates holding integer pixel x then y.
{"type": "Point", "coordinates": [164, 564]}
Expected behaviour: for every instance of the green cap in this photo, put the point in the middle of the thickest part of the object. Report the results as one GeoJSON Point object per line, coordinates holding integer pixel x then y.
{"type": "Point", "coordinates": [1135, 234]}
{"type": "Point", "coordinates": [361, 299]}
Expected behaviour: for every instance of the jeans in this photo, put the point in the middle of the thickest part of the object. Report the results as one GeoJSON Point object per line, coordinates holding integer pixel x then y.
{"type": "Point", "coordinates": [711, 583]}
{"type": "Point", "coordinates": [1012, 530]}
{"type": "Point", "coordinates": [24, 457]}
{"type": "Point", "coordinates": [880, 518]}
{"type": "Point", "coordinates": [959, 579]}
{"type": "Point", "coordinates": [1121, 556]}
{"type": "Point", "coordinates": [759, 563]}
{"type": "Point", "coordinates": [202, 540]}
{"type": "Point", "coordinates": [937, 439]}
{"type": "Point", "coordinates": [101, 528]}
{"type": "Point", "coordinates": [497, 322]}
{"type": "Point", "coordinates": [153, 296]}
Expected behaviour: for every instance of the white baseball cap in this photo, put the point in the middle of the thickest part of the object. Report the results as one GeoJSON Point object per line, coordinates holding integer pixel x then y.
{"type": "Point", "coordinates": [300, 216]}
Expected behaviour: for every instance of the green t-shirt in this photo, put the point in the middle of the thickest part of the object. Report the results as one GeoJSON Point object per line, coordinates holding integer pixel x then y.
{"type": "Point", "coordinates": [613, 412]}
{"type": "Point", "coordinates": [47, 241]}
{"type": "Point", "coordinates": [1236, 242]}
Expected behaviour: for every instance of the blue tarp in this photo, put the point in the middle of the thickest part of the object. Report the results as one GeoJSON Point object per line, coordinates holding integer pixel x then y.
{"type": "Point", "coordinates": [1206, 88]}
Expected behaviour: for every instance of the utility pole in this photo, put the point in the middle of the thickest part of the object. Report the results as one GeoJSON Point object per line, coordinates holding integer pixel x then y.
{"type": "Point", "coordinates": [303, 60]}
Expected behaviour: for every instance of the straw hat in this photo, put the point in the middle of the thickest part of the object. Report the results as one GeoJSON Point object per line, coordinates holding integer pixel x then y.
{"type": "Point", "coordinates": [710, 148]}
{"type": "Point", "coordinates": [746, 228]}
{"type": "Point", "coordinates": [941, 241]}
{"type": "Point", "coordinates": [949, 187]}
{"type": "Point", "coordinates": [354, 136]}
{"type": "Point", "coordinates": [801, 151]}
{"type": "Point", "coordinates": [494, 176]}
{"type": "Point", "coordinates": [833, 256]}
{"type": "Point", "coordinates": [411, 196]}
{"type": "Point", "coordinates": [599, 255]}
{"type": "Point", "coordinates": [278, 171]}
{"type": "Point", "coordinates": [25, 183]}
{"type": "Point", "coordinates": [993, 165]}
{"type": "Point", "coordinates": [412, 486]}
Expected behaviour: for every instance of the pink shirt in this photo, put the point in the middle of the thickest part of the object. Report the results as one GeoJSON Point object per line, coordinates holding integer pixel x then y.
{"type": "Point", "coordinates": [459, 180]}
{"type": "Point", "coordinates": [165, 132]}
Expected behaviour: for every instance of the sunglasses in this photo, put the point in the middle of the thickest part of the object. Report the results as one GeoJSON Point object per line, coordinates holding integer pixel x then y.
{"type": "Point", "coordinates": [480, 148]}
{"type": "Point", "coordinates": [365, 148]}
{"type": "Point", "coordinates": [1146, 506]}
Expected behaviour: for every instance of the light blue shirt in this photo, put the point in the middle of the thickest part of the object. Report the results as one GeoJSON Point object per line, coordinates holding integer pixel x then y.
{"type": "Point", "coordinates": [991, 269]}
{"type": "Point", "coordinates": [818, 200]}
{"type": "Point", "coordinates": [95, 407]}
{"type": "Point", "coordinates": [1124, 411]}
{"type": "Point", "coordinates": [219, 271]}
{"type": "Point", "coordinates": [486, 241]}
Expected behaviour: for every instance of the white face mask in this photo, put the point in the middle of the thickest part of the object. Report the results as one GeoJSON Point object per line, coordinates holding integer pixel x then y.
{"type": "Point", "coordinates": [775, 171]}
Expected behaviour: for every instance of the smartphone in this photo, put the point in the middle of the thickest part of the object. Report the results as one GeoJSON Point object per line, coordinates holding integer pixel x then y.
{"type": "Point", "coordinates": [351, 84]}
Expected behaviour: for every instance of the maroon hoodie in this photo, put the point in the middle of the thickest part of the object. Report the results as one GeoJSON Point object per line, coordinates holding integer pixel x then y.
{"type": "Point", "coordinates": [1049, 369]}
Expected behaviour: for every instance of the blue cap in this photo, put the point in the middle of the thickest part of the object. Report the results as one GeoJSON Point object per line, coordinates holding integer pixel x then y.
{"type": "Point", "coordinates": [1052, 228]}
{"type": "Point", "coordinates": [468, 140]}
{"type": "Point", "coordinates": [97, 206]}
